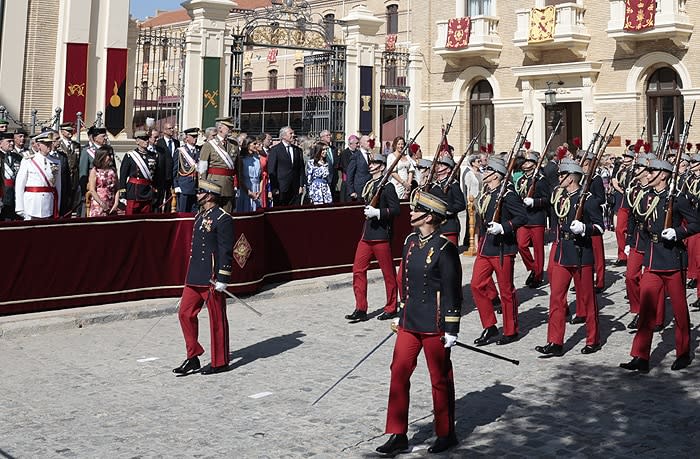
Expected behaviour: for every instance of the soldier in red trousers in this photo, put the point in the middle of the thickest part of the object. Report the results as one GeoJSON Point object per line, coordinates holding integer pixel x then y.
{"type": "Point", "coordinates": [429, 320]}
{"type": "Point", "coordinates": [212, 255]}
{"type": "Point", "coordinates": [453, 197]}
{"type": "Point", "coordinates": [665, 261]}
{"type": "Point", "coordinates": [573, 259]}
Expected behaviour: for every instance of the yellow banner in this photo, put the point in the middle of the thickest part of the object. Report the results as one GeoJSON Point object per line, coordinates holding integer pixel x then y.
{"type": "Point", "coordinates": [541, 24]}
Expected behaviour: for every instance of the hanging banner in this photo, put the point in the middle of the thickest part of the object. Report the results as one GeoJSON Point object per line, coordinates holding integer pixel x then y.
{"type": "Point", "coordinates": [76, 81]}
{"type": "Point", "coordinates": [115, 90]}
{"type": "Point", "coordinates": [211, 97]}
{"type": "Point", "coordinates": [639, 15]}
{"type": "Point", "coordinates": [458, 30]}
{"type": "Point", "coordinates": [541, 24]}
{"type": "Point", "coordinates": [366, 85]}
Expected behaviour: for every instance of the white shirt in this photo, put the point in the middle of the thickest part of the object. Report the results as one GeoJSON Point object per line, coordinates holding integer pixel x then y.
{"type": "Point", "coordinates": [32, 204]}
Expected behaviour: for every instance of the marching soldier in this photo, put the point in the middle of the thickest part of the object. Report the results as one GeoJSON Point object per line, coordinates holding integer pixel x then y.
{"type": "Point", "coordinates": [185, 172]}
{"type": "Point", "coordinates": [38, 182]}
{"type": "Point", "coordinates": [71, 149]}
{"type": "Point", "coordinates": [210, 261]}
{"type": "Point", "coordinates": [453, 197]}
{"type": "Point", "coordinates": [692, 192]}
{"type": "Point", "coordinates": [217, 162]}
{"type": "Point", "coordinates": [11, 161]}
{"type": "Point", "coordinates": [664, 266]}
{"type": "Point", "coordinates": [429, 319]}
{"type": "Point", "coordinates": [138, 175]}
{"type": "Point", "coordinates": [573, 259]}
{"type": "Point", "coordinates": [598, 193]}
{"type": "Point", "coordinates": [620, 183]}
{"type": "Point", "coordinates": [532, 233]}
{"type": "Point", "coordinates": [375, 243]}
{"type": "Point", "coordinates": [496, 253]}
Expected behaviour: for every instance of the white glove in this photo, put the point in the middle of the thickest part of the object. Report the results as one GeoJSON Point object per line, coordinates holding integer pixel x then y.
{"type": "Point", "coordinates": [449, 340]}
{"type": "Point", "coordinates": [123, 201]}
{"type": "Point", "coordinates": [220, 286]}
{"type": "Point", "coordinates": [577, 227]}
{"type": "Point", "coordinates": [178, 190]}
{"type": "Point", "coordinates": [495, 228]}
{"type": "Point", "coordinates": [529, 202]}
{"type": "Point", "coordinates": [19, 212]}
{"type": "Point", "coordinates": [394, 325]}
{"type": "Point", "coordinates": [371, 212]}
{"type": "Point", "coordinates": [669, 234]}
{"type": "Point", "coordinates": [627, 250]}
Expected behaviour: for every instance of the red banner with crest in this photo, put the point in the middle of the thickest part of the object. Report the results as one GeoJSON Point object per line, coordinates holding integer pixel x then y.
{"type": "Point", "coordinates": [458, 30]}
{"type": "Point", "coordinates": [639, 15]}
{"type": "Point", "coordinates": [76, 81]}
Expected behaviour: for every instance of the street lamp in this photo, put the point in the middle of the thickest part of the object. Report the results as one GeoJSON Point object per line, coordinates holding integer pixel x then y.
{"type": "Point", "coordinates": [550, 95]}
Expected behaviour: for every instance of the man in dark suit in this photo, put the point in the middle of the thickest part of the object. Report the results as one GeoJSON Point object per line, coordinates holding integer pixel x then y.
{"type": "Point", "coordinates": [285, 165]}
{"type": "Point", "coordinates": [344, 164]}
{"type": "Point", "coordinates": [169, 144]}
{"type": "Point", "coordinates": [358, 169]}
{"type": "Point", "coordinates": [163, 179]}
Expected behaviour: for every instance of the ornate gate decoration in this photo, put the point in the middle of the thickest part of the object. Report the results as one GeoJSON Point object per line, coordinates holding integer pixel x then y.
{"type": "Point", "coordinates": [292, 25]}
{"type": "Point", "coordinates": [394, 92]}
{"type": "Point", "coordinates": [160, 77]}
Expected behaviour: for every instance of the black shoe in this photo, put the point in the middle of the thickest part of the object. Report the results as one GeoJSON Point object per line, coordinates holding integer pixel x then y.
{"type": "Point", "coordinates": [397, 443]}
{"type": "Point", "coordinates": [188, 366]}
{"type": "Point", "coordinates": [530, 279]}
{"type": "Point", "coordinates": [692, 283]}
{"type": "Point", "coordinates": [209, 370]}
{"type": "Point", "coordinates": [636, 364]}
{"type": "Point", "coordinates": [659, 328]}
{"type": "Point", "coordinates": [590, 348]}
{"type": "Point", "coordinates": [443, 444]}
{"type": "Point", "coordinates": [620, 262]}
{"type": "Point", "coordinates": [599, 289]}
{"type": "Point", "coordinates": [635, 323]}
{"type": "Point", "coordinates": [386, 315]}
{"type": "Point", "coordinates": [681, 362]}
{"type": "Point", "coordinates": [575, 320]}
{"type": "Point", "coordinates": [572, 289]}
{"type": "Point", "coordinates": [695, 304]}
{"type": "Point", "coordinates": [486, 336]}
{"type": "Point", "coordinates": [357, 315]}
{"type": "Point", "coordinates": [536, 283]}
{"type": "Point", "coordinates": [550, 349]}
{"type": "Point", "coordinates": [507, 339]}
{"type": "Point", "coordinates": [496, 301]}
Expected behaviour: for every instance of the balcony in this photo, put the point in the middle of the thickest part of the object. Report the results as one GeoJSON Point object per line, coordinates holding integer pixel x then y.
{"type": "Point", "coordinates": [569, 32]}
{"type": "Point", "coordinates": [483, 41]}
{"type": "Point", "coordinates": [671, 22]}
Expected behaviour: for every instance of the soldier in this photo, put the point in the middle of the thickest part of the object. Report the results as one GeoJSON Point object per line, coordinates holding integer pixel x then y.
{"type": "Point", "coordinates": [138, 175]}
{"type": "Point", "coordinates": [217, 162]}
{"type": "Point", "coordinates": [71, 148]}
{"type": "Point", "coordinates": [375, 242]}
{"type": "Point", "coordinates": [453, 197]}
{"type": "Point", "coordinates": [573, 258]}
{"type": "Point", "coordinates": [38, 182]}
{"type": "Point", "coordinates": [97, 137]}
{"type": "Point", "coordinates": [664, 266]}
{"type": "Point", "coordinates": [3, 125]}
{"type": "Point", "coordinates": [537, 205]}
{"type": "Point", "coordinates": [598, 193]}
{"type": "Point", "coordinates": [692, 191]}
{"type": "Point", "coordinates": [8, 168]}
{"type": "Point", "coordinates": [620, 182]}
{"type": "Point", "coordinates": [428, 319]}
{"type": "Point", "coordinates": [20, 139]}
{"type": "Point", "coordinates": [210, 261]}
{"type": "Point", "coordinates": [185, 172]}
{"type": "Point", "coordinates": [496, 253]}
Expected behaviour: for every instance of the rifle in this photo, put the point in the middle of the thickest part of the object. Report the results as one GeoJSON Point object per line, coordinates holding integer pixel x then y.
{"type": "Point", "coordinates": [663, 141]}
{"type": "Point", "coordinates": [531, 190]}
{"type": "Point", "coordinates": [517, 145]}
{"type": "Point", "coordinates": [433, 169]}
{"type": "Point", "coordinates": [374, 202]}
{"type": "Point", "coordinates": [668, 220]}
{"type": "Point", "coordinates": [592, 145]}
{"type": "Point", "coordinates": [588, 175]}
{"type": "Point", "coordinates": [457, 167]}
{"type": "Point", "coordinates": [644, 127]}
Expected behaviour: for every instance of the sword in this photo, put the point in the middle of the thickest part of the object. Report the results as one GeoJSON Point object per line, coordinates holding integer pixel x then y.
{"type": "Point", "coordinates": [235, 298]}
{"type": "Point", "coordinates": [353, 368]}
{"type": "Point", "coordinates": [481, 351]}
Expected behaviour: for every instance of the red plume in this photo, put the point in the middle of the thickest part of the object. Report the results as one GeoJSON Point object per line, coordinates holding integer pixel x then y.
{"type": "Point", "coordinates": [676, 145]}
{"type": "Point", "coordinates": [628, 142]}
{"type": "Point", "coordinates": [489, 148]}
{"type": "Point", "coordinates": [637, 147]}
{"type": "Point", "coordinates": [561, 152]}
{"type": "Point", "coordinates": [482, 149]}
{"type": "Point", "coordinates": [577, 142]}
{"type": "Point", "coordinates": [688, 146]}
{"type": "Point", "coordinates": [414, 148]}
{"type": "Point", "coordinates": [527, 144]}
{"type": "Point", "coordinates": [647, 147]}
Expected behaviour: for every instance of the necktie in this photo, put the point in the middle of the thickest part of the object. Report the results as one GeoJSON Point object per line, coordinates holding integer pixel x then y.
{"type": "Point", "coordinates": [330, 156]}
{"type": "Point", "coordinates": [291, 153]}
{"type": "Point", "coordinates": [170, 146]}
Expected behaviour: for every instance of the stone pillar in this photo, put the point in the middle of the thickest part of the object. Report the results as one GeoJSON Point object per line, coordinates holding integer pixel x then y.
{"type": "Point", "coordinates": [206, 37]}
{"type": "Point", "coordinates": [414, 76]}
{"type": "Point", "coordinates": [362, 28]}
{"type": "Point", "coordinates": [12, 58]}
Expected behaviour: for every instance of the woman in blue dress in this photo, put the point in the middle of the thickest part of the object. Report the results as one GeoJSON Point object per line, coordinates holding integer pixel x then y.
{"type": "Point", "coordinates": [318, 176]}
{"type": "Point", "coordinates": [250, 176]}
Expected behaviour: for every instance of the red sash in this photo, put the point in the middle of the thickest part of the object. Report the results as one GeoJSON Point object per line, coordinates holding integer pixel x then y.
{"type": "Point", "coordinates": [45, 189]}
{"type": "Point", "coordinates": [222, 171]}
{"type": "Point", "coordinates": [138, 181]}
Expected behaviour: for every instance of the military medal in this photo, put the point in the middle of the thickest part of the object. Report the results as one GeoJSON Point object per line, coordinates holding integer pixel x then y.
{"type": "Point", "coordinates": [430, 254]}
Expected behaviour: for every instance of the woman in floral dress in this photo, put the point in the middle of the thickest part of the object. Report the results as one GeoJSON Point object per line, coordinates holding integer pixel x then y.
{"type": "Point", "coordinates": [402, 176]}
{"type": "Point", "coordinates": [102, 183]}
{"type": "Point", "coordinates": [318, 176]}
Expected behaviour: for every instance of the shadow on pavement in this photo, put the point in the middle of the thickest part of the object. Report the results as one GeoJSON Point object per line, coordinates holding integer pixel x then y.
{"type": "Point", "coordinates": [264, 349]}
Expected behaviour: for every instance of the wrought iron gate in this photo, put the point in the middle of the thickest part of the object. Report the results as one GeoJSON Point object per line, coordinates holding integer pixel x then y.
{"type": "Point", "coordinates": [394, 99]}
{"type": "Point", "coordinates": [160, 78]}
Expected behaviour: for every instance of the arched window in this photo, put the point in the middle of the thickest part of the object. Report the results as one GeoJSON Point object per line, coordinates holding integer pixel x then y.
{"type": "Point", "coordinates": [664, 101]}
{"type": "Point", "coordinates": [481, 113]}
{"type": "Point", "coordinates": [392, 19]}
{"type": "Point", "coordinates": [272, 79]}
{"type": "Point", "coordinates": [248, 81]}
{"type": "Point", "coordinates": [329, 23]}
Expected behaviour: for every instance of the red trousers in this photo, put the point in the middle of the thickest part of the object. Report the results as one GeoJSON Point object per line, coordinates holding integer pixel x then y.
{"type": "Point", "coordinates": [481, 284]}
{"type": "Point", "coordinates": [585, 299]}
{"type": "Point", "coordinates": [632, 277]}
{"type": "Point", "coordinates": [693, 245]}
{"type": "Point", "coordinates": [138, 207]}
{"type": "Point", "coordinates": [408, 346]}
{"type": "Point", "coordinates": [598, 261]}
{"type": "Point", "coordinates": [193, 298]}
{"type": "Point", "coordinates": [623, 215]}
{"type": "Point", "coordinates": [380, 250]}
{"type": "Point", "coordinates": [532, 235]}
{"type": "Point", "coordinates": [652, 287]}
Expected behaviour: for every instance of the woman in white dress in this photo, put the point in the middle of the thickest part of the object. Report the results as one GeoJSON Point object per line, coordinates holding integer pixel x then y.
{"type": "Point", "coordinates": [402, 176]}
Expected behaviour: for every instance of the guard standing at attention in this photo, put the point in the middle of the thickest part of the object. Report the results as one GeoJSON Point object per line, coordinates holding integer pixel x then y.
{"type": "Point", "coordinates": [210, 261]}
{"type": "Point", "coordinates": [185, 172]}
{"type": "Point", "coordinates": [137, 176]}
{"type": "Point", "coordinates": [429, 320]}
{"type": "Point", "coordinates": [453, 197]}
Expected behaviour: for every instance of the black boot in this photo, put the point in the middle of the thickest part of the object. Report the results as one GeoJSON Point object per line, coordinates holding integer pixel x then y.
{"type": "Point", "coordinates": [550, 349]}
{"type": "Point", "coordinates": [636, 364]}
{"type": "Point", "coordinates": [681, 362]}
{"type": "Point", "coordinates": [635, 323]}
{"type": "Point", "coordinates": [529, 279]}
{"type": "Point", "coordinates": [357, 316]}
{"type": "Point", "coordinates": [486, 336]}
{"type": "Point", "coordinates": [188, 366]}
{"type": "Point", "coordinates": [396, 443]}
{"type": "Point", "coordinates": [443, 444]}
{"type": "Point", "coordinates": [692, 283]}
